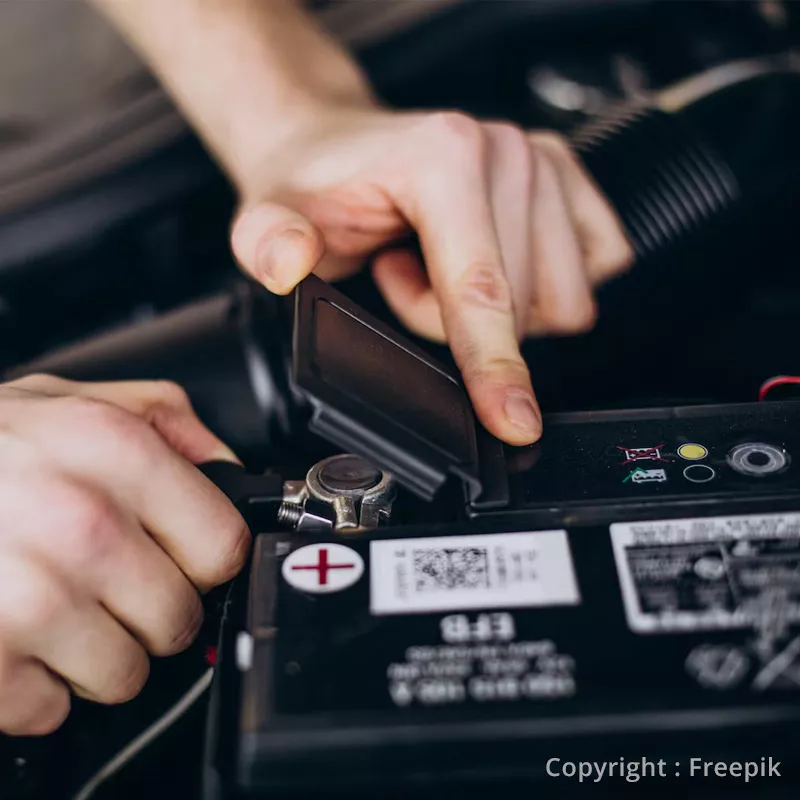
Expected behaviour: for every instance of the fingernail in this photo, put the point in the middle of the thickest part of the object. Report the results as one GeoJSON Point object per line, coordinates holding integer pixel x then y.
{"type": "Point", "coordinates": [521, 412]}
{"type": "Point", "coordinates": [224, 453]}
{"type": "Point", "coordinates": [278, 256]}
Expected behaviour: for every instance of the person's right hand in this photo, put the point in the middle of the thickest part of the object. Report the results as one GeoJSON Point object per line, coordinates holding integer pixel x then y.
{"type": "Point", "coordinates": [514, 233]}
{"type": "Point", "coordinates": [107, 536]}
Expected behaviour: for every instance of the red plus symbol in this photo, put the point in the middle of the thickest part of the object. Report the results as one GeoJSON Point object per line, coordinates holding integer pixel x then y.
{"type": "Point", "coordinates": [323, 567]}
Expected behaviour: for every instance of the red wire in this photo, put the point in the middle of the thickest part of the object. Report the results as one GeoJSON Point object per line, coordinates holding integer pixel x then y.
{"type": "Point", "coordinates": [778, 380]}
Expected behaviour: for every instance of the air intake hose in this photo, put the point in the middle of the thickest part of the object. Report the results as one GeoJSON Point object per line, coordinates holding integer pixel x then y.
{"type": "Point", "coordinates": [699, 152]}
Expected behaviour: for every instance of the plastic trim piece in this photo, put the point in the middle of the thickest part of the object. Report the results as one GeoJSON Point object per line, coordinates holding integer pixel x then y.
{"type": "Point", "coordinates": [357, 418]}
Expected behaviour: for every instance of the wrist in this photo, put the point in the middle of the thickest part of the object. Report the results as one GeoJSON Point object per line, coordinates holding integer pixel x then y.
{"type": "Point", "coordinates": [256, 133]}
{"type": "Point", "coordinates": [249, 76]}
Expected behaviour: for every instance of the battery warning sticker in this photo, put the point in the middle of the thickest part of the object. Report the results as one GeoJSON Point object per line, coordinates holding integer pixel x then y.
{"type": "Point", "coordinates": [459, 573]}
{"type": "Point", "coordinates": [709, 573]}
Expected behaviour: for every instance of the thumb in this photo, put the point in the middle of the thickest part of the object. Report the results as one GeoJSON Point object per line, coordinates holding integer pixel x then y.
{"type": "Point", "coordinates": [165, 406]}
{"type": "Point", "coordinates": [275, 245]}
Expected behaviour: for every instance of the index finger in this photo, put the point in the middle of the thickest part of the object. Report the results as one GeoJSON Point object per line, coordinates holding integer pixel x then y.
{"type": "Point", "coordinates": [187, 515]}
{"type": "Point", "coordinates": [448, 203]}
{"type": "Point", "coordinates": [184, 512]}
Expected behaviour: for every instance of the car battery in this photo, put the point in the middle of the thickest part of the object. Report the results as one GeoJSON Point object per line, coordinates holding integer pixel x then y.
{"type": "Point", "coordinates": [436, 613]}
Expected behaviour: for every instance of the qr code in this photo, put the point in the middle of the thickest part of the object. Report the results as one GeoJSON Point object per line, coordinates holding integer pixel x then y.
{"type": "Point", "coordinates": [451, 568]}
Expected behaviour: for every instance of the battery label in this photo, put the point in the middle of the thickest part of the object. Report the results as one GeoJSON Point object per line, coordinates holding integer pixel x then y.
{"type": "Point", "coordinates": [710, 573]}
{"type": "Point", "coordinates": [450, 573]}
{"type": "Point", "coordinates": [480, 660]}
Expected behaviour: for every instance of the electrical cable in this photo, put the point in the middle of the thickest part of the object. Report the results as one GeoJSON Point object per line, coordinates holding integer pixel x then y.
{"type": "Point", "coordinates": [133, 748]}
{"type": "Point", "coordinates": [778, 380]}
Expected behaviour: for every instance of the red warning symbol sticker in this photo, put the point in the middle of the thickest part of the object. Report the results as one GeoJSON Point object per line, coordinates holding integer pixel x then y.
{"type": "Point", "coordinates": [642, 454]}
{"type": "Point", "coordinates": [322, 568]}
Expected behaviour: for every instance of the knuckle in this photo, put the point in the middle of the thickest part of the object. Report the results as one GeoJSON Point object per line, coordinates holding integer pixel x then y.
{"type": "Point", "coordinates": [626, 255]}
{"type": "Point", "coordinates": [39, 382]}
{"type": "Point", "coordinates": [172, 394]}
{"type": "Point", "coordinates": [28, 705]}
{"type": "Point", "coordinates": [611, 262]}
{"type": "Point", "coordinates": [184, 629]}
{"type": "Point", "coordinates": [234, 547]}
{"type": "Point", "coordinates": [110, 427]}
{"type": "Point", "coordinates": [89, 522]}
{"type": "Point", "coordinates": [32, 601]}
{"type": "Point", "coordinates": [622, 256]}
{"type": "Point", "coordinates": [235, 554]}
{"type": "Point", "coordinates": [512, 139]}
{"type": "Point", "coordinates": [496, 369]}
{"type": "Point", "coordinates": [130, 677]}
{"type": "Point", "coordinates": [554, 140]}
{"type": "Point", "coordinates": [484, 284]}
{"type": "Point", "coordinates": [99, 416]}
{"type": "Point", "coordinates": [48, 715]}
{"type": "Point", "coordinates": [40, 606]}
{"type": "Point", "coordinates": [583, 324]}
{"type": "Point", "coordinates": [457, 133]}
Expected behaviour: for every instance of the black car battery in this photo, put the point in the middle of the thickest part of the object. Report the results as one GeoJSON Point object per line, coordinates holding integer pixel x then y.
{"type": "Point", "coordinates": [618, 603]}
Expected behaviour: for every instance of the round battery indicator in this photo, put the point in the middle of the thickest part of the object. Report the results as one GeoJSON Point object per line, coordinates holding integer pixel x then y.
{"type": "Point", "coordinates": [692, 451]}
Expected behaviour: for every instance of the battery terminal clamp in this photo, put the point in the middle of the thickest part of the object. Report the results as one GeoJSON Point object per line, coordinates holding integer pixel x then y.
{"type": "Point", "coordinates": [375, 393]}
{"type": "Point", "coordinates": [343, 493]}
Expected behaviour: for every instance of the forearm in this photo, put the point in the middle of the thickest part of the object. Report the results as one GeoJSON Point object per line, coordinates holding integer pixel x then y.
{"type": "Point", "coordinates": [246, 73]}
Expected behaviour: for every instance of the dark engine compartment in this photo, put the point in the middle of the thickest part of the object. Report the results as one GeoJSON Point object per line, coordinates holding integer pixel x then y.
{"type": "Point", "coordinates": [706, 321]}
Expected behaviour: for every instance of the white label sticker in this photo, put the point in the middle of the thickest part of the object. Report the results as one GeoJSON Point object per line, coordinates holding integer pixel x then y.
{"type": "Point", "coordinates": [458, 573]}
{"type": "Point", "coordinates": [709, 573]}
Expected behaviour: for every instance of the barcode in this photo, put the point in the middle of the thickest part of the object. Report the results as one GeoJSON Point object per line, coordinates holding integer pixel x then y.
{"type": "Point", "coordinates": [497, 570]}
{"type": "Point", "coordinates": [451, 568]}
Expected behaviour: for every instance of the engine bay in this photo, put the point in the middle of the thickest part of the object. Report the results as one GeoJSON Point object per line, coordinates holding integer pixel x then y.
{"type": "Point", "coordinates": [705, 324]}
{"type": "Point", "coordinates": [686, 115]}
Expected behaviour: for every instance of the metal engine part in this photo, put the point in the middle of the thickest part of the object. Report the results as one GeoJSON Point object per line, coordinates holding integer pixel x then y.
{"type": "Point", "coordinates": [343, 493]}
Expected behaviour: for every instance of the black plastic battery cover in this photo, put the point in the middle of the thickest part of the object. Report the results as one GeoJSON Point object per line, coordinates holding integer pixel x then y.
{"type": "Point", "coordinates": [374, 393]}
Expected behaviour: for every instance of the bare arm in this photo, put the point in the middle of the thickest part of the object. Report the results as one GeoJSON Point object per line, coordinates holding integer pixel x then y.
{"type": "Point", "coordinates": [247, 73]}
{"type": "Point", "coordinates": [514, 233]}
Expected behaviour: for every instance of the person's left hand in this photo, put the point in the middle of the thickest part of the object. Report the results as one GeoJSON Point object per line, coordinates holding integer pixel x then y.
{"type": "Point", "coordinates": [514, 233]}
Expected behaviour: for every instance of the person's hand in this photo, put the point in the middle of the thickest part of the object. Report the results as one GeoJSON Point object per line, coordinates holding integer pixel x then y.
{"type": "Point", "coordinates": [107, 534]}
{"type": "Point", "coordinates": [514, 233]}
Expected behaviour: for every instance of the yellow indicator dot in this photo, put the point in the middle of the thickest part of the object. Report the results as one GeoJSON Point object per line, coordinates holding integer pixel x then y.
{"type": "Point", "coordinates": [692, 452]}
